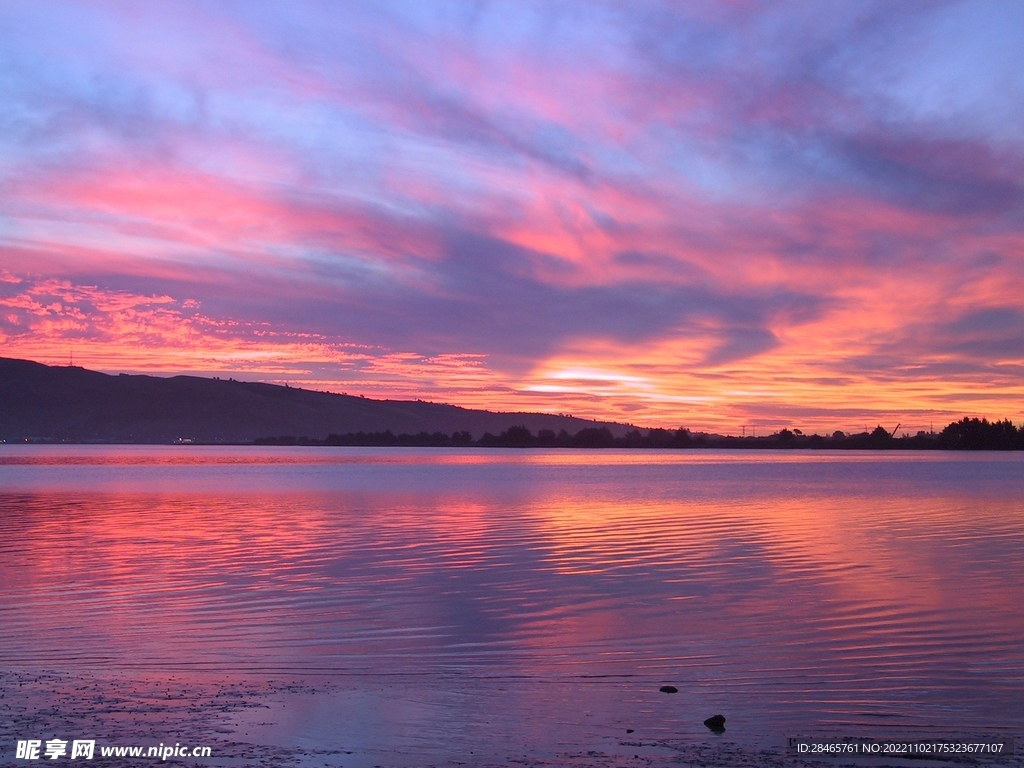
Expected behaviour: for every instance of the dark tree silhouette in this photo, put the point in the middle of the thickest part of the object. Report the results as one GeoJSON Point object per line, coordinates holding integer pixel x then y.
{"type": "Point", "coordinates": [593, 437]}
{"type": "Point", "coordinates": [681, 439]}
{"type": "Point", "coordinates": [981, 435]}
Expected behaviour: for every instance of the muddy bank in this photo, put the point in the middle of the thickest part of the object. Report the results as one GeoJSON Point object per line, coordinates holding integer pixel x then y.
{"type": "Point", "coordinates": [250, 721]}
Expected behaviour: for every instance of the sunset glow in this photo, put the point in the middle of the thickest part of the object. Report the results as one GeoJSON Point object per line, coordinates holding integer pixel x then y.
{"type": "Point", "coordinates": [724, 216]}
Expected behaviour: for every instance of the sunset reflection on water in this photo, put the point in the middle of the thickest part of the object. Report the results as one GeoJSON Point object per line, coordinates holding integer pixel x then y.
{"type": "Point", "coordinates": [808, 590]}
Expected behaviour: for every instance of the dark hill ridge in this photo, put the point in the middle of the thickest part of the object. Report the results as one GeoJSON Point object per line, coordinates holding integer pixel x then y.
{"type": "Point", "coordinates": [69, 403]}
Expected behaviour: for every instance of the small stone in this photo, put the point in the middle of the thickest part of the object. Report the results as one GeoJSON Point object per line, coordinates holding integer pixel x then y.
{"type": "Point", "coordinates": [716, 723]}
{"type": "Point", "coordinates": [629, 730]}
{"type": "Point", "coordinates": [668, 689]}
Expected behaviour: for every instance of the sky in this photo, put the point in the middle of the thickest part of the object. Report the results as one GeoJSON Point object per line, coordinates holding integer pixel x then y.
{"type": "Point", "coordinates": [730, 216]}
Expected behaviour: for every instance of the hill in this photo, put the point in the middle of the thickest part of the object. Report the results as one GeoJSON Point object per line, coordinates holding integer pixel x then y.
{"type": "Point", "coordinates": [71, 403]}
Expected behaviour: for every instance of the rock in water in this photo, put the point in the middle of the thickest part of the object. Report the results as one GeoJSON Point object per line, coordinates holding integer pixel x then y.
{"type": "Point", "coordinates": [716, 723]}
{"type": "Point", "coordinates": [668, 689]}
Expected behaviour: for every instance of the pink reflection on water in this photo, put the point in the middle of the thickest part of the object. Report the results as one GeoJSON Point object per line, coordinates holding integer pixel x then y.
{"type": "Point", "coordinates": [784, 589]}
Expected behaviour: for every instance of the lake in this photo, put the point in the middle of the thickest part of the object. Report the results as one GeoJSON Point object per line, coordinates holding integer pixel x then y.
{"type": "Point", "coordinates": [350, 606]}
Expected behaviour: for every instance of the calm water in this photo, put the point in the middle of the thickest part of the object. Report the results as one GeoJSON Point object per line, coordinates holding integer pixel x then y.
{"type": "Point", "coordinates": [527, 602]}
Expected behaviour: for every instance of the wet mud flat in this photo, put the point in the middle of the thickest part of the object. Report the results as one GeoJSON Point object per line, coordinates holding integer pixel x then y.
{"type": "Point", "coordinates": [139, 710]}
{"type": "Point", "coordinates": [250, 721]}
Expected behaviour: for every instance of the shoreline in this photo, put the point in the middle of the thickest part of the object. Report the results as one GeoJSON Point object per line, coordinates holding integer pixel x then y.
{"type": "Point", "coordinates": [243, 719]}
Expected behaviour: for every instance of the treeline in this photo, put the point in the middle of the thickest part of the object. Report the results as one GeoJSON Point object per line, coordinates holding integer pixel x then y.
{"type": "Point", "coordinates": [384, 439]}
{"type": "Point", "coordinates": [982, 435]}
{"type": "Point", "coordinates": [513, 437]}
{"type": "Point", "coordinates": [966, 434]}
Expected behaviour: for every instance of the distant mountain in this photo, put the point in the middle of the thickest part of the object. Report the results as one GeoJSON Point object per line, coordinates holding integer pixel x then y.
{"type": "Point", "coordinates": [70, 403]}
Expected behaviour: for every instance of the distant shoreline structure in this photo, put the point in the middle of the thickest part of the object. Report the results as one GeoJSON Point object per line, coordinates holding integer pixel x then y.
{"type": "Point", "coordinates": [69, 404]}
{"type": "Point", "coordinates": [968, 434]}
{"type": "Point", "coordinates": [965, 434]}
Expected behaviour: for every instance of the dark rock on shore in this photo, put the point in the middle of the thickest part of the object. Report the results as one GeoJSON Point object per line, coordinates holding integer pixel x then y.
{"type": "Point", "coordinates": [716, 723]}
